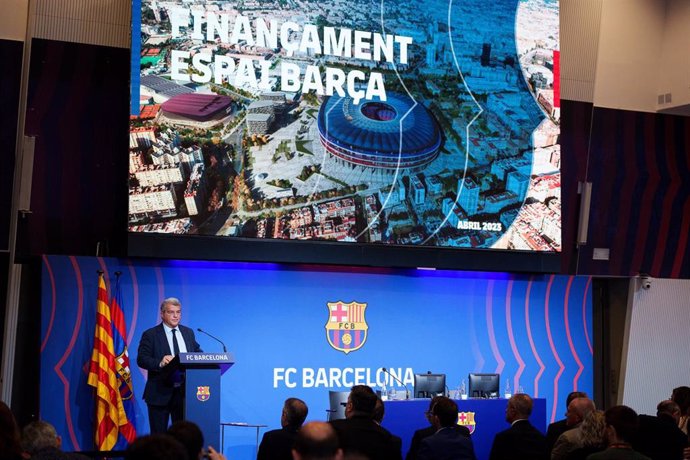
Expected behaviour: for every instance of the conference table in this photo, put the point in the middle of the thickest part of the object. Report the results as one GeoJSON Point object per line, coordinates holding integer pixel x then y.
{"type": "Point", "coordinates": [484, 418]}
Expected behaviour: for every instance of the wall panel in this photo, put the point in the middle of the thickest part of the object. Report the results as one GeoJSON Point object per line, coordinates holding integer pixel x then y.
{"type": "Point", "coordinates": [658, 343]}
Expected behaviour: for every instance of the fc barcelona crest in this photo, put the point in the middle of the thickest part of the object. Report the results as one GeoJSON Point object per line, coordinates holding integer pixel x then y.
{"type": "Point", "coordinates": [203, 393]}
{"type": "Point", "coordinates": [124, 380]}
{"type": "Point", "coordinates": [346, 328]}
{"type": "Point", "coordinates": [467, 419]}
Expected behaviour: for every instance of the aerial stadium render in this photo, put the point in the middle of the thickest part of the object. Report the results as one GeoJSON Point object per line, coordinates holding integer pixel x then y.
{"type": "Point", "coordinates": [383, 135]}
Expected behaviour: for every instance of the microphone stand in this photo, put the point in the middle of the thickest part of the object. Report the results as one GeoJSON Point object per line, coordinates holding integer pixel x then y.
{"type": "Point", "coordinates": [407, 390]}
{"type": "Point", "coordinates": [225, 350]}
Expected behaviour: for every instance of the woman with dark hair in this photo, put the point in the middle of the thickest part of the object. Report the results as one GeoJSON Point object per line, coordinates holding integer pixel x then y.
{"type": "Point", "coordinates": [10, 436]}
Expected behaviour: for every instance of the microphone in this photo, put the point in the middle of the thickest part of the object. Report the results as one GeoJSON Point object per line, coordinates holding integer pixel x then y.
{"type": "Point", "coordinates": [407, 390]}
{"type": "Point", "coordinates": [225, 350]}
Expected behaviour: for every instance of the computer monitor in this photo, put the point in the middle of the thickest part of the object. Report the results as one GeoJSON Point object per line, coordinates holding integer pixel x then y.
{"type": "Point", "coordinates": [483, 385]}
{"type": "Point", "coordinates": [429, 385]}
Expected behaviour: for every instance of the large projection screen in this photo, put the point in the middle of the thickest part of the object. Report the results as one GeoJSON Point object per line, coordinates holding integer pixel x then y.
{"type": "Point", "coordinates": [358, 123]}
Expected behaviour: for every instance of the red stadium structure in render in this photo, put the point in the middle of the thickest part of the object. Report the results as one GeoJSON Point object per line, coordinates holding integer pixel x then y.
{"type": "Point", "coordinates": [198, 107]}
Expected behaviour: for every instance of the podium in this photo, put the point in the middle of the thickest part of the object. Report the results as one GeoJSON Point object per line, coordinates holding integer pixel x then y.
{"type": "Point", "coordinates": [202, 390]}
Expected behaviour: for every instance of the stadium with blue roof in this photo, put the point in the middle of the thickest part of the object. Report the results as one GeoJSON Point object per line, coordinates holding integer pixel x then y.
{"type": "Point", "coordinates": [368, 134]}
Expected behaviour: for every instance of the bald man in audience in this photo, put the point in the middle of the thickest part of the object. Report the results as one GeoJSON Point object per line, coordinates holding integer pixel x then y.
{"type": "Point", "coordinates": [317, 441]}
{"type": "Point", "coordinates": [521, 441]}
{"type": "Point", "coordinates": [277, 444]}
{"type": "Point", "coordinates": [559, 427]}
{"type": "Point", "coordinates": [572, 439]}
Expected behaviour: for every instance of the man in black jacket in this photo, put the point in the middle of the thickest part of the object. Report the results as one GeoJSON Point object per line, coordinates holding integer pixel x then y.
{"type": "Point", "coordinates": [659, 438]}
{"type": "Point", "coordinates": [450, 441]}
{"type": "Point", "coordinates": [360, 434]}
{"type": "Point", "coordinates": [158, 346]}
{"type": "Point", "coordinates": [424, 433]}
{"type": "Point", "coordinates": [278, 444]}
{"type": "Point", "coordinates": [521, 441]}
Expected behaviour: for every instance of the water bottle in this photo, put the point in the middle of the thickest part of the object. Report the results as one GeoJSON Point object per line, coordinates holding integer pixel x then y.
{"type": "Point", "coordinates": [508, 394]}
{"type": "Point", "coordinates": [463, 390]}
{"type": "Point", "coordinates": [384, 393]}
{"type": "Point", "coordinates": [391, 394]}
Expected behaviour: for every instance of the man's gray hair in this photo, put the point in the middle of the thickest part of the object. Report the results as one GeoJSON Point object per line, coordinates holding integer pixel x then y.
{"type": "Point", "coordinates": [668, 407]}
{"type": "Point", "coordinates": [38, 435]}
{"type": "Point", "coordinates": [170, 301]}
{"type": "Point", "coordinates": [522, 404]}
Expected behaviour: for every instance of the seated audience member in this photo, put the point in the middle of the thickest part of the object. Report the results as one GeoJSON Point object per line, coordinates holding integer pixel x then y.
{"type": "Point", "coordinates": [423, 433]}
{"type": "Point", "coordinates": [10, 447]}
{"type": "Point", "coordinates": [359, 433]}
{"type": "Point", "coordinates": [621, 428]}
{"type": "Point", "coordinates": [379, 412]}
{"type": "Point", "coordinates": [449, 442]}
{"type": "Point", "coordinates": [681, 396]}
{"type": "Point", "coordinates": [571, 439]}
{"type": "Point", "coordinates": [316, 441]}
{"type": "Point", "coordinates": [593, 431]}
{"type": "Point", "coordinates": [521, 441]}
{"type": "Point", "coordinates": [277, 444]}
{"type": "Point", "coordinates": [156, 447]}
{"type": "Point", "coordinates": [660, 438]}
{"type": "Point", "coordinates": [190, 436]}
{"type": "Point", "coordinates": [559, 427]}
{"type": "Point", "coordinates": [41, 441]}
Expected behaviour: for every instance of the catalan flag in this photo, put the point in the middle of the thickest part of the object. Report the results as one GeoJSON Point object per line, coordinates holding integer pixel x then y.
{"type": "Point", "coordinates": [110, 413]}
{"type": "Point", "coordinates": [128, 431]}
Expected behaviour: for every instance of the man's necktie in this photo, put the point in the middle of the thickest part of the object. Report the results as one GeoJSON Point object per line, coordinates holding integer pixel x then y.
{"type": "Point", "coordinates": [176, 346]}
{"type": "Point", "coordinates": [177, 375]}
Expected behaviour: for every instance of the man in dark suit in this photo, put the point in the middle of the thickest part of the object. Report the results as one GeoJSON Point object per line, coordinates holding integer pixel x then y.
{"type": "Point", "coordinates": [277, 444]}
{"type": "Point", "coordinates": [158, 346]}
{"type": "Point", "coordinates": [360, 434]}
{"type": "Point", "coordinates": [659, 438]}
{"type": "Point", "coordinates": [521, 441]}
{"type": "Point", "coordinates": [559, 427]}
{"type": "Point", "coordinates": [424, 433]}
{"type": "Point", "coordinates": [450, 441]}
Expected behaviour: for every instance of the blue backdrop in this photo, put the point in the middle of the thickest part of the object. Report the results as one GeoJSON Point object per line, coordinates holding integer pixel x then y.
{"type": "Point", "coordinates": [533, 330]}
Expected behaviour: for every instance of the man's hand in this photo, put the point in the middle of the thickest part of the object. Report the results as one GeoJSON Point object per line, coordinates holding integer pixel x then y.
{"type": "Point", "coordinates": [686, 453]}
{"type": "Point", "coordinates": [213, 455]}
{"type": "Point", "coordinates": [166, 359]}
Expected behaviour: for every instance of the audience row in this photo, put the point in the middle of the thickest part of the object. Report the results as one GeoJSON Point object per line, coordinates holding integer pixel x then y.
{"type": "Point", "coordinates": [585, 433]}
